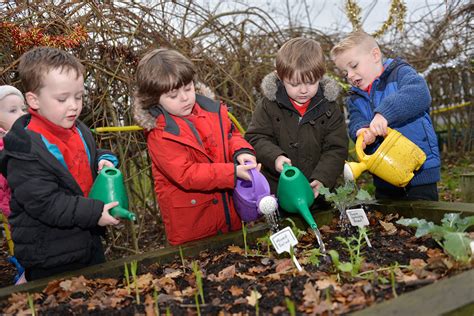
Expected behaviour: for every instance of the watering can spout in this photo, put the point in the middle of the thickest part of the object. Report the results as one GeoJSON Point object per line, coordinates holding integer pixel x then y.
{"type": "Point", "coordinates": [109, 187]}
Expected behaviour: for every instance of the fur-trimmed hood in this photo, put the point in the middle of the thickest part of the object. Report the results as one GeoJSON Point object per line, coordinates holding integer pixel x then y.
{"type": "Point", "coordinates": [145, 119]}
{"type": "Point", "coordinates": [269, 87]}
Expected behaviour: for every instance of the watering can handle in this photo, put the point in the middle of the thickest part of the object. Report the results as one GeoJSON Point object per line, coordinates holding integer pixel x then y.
{"type": "Point", "coordinates": [361, 155]}
{"type": "Point", "coordinates": [258, 182]}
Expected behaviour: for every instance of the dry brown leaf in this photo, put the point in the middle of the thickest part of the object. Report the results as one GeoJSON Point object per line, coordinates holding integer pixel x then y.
{"type": "Point", "coordinates": [235, 249]}
{"type": "Point", "coordinates": [406, 278]}
{"type": "Point", "coordinates": [149, 306]}
{"type": "Point", "coordinates": [327, 282]}
{"type": "Point", "coordinates": [174, 274]}
{"type": "Point", "coordinates": [253, 298]}
{"type": "Point", "coordinates": [236, 291]}
{"type": "Point", "coordinates": [286, 291]}
{"type": "Point", "coordinates": [52, 287]}
{"type": "Point", "coordinates": [310, 295]}
{"type": "Point", "coordinates": [326, 229]}
{"type": "Point", "coordinates": [226, 273]}
{"type": "Point", "coordinates": [388, 227]}
{"type": "Point", "coordinates": [321, 308]}
{"type": "Point", "coordinates": [167, 284]}
{"type": "Point", "coordinates": [144, 281]}
{"type": "Point", "coordinates": [417, 263]}
{"type": "Point", "coordinates": [245, 276]}
{"type": "Point", "coordinates": [283, 265]}
{"type": "Point", "coordinates": [434, 252]}
{"type": "Point", "coordinates": [240, 300]}
{"type": "Point", "coordinates": [358, 300]}
{"type": "Point", "coordinates": [258, 269]}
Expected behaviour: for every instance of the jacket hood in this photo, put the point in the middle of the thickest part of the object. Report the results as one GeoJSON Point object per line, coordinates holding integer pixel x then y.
{"type": "Point", "coordinates": [145, 119]}
{"type": "Point", "coordinates": [270, 87]}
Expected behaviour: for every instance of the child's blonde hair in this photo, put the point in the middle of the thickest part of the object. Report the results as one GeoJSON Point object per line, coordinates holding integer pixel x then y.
{"type": "Point", "coordinates": [161, 71]}
{"type": "Point", "coordinates": [301, 57]}
{"type": "Point", "coordinates": [7, 90]}
{"type": "Point", "coordinates": [355, 39]}
{"type": "Point", "coordinates": [36, 63]}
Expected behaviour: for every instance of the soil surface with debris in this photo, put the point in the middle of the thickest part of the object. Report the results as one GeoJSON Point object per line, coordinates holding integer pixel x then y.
{"type": "Point", "coordinates": [258, 280]}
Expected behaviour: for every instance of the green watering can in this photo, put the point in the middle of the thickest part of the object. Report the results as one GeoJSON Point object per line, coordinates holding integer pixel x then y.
{"type": "Point", "coordinates": [296, 196]}
{"type": "Point", "coordinates": [109, 187]}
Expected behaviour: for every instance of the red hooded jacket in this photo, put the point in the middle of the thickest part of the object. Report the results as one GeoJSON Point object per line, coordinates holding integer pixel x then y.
{"type": "Point", "coordinates": [194, 172]}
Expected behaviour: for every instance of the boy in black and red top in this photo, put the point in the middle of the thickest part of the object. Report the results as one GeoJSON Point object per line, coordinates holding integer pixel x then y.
{"type": "Point", "coordinates": [51, 160]}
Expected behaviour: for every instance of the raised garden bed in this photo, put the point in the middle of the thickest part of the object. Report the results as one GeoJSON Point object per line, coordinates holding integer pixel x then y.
{"type": "Point", "coordinates": [232, 282]}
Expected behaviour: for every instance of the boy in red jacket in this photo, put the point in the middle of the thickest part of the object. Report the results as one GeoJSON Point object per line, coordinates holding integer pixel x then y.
{"type": "Point", "coordinates": [194, 148]}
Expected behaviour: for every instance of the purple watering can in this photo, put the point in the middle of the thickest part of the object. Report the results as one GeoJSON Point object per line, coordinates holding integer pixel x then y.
{"type": "Point", "coordinates": [248, 194]}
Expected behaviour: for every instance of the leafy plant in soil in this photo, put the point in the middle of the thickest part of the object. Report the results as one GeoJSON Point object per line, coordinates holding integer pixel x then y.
{"type": "Point", "coordinates": [450, 235]}
{"type": "Point", "coordinates": [353, 245]}
{"type": "Point", "coordinates": [344, 196]}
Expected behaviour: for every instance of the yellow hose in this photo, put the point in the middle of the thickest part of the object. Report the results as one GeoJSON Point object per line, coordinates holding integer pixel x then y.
{"type": "Point", "coordinates": [132, 128]}
{"type": "Point", "coordinates": [8, 235]}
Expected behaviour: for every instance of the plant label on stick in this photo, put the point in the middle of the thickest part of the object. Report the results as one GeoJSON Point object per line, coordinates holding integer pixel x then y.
{"type": "Point", "coordinates": [283, 240]}
{"type": "Point", "coordinates": [358, 218]}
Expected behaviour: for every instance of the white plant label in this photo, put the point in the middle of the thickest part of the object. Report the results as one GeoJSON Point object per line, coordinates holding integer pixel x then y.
{"type": "Point", "coordinates": [357, 217]}
{"type": "Point", "coordinates": [283, 240]}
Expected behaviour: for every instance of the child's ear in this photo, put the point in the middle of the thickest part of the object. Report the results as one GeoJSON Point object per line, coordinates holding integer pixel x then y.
{"type": "Point", "coordinates": [376, 54]}
{"type": "Point", "coordinates": [32, 100]}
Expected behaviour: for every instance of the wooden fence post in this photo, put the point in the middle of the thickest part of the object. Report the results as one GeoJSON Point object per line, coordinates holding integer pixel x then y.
{"type": "Point", "coordinates": [467, 187]}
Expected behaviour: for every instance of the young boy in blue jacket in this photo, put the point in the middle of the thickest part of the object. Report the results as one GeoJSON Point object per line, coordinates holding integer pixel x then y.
{"type": "Point", "coordinates": [391, 94]}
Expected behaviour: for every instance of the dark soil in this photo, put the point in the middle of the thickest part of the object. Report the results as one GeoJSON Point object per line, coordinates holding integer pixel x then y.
{"type": "Point", "coordinates": [397, 263]}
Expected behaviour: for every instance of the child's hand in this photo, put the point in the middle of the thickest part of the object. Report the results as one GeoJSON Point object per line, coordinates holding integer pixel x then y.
{"type": "Point", "coordinates": [242, 158]}
{"type": "Point", "coordinates": [242, 171]}
{"type": "Point", "coordinates": [369, 137]}
{"type": "Point", "coordinates": [315, 185]}
{"type": "Point", "coordinates": [104, 163]}
{"type": "Point", "coordinates": [379, 125]}
{"type": "Point", "coordinates": [280, 161]}
{"type": "Point", "coordinates": [106, 218]}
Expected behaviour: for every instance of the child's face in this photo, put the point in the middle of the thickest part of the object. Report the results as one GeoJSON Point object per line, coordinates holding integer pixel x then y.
{"type": "Point", "coordinates": [179, 102]}
{"type": "Point", "coordinates": [361, 67]}
{"type": "Point", "coordinates": [60, 98]}
{"type": "Point", "coordinates": [300, 92]}
{"type": "Point", "coordinates": [11, 108]}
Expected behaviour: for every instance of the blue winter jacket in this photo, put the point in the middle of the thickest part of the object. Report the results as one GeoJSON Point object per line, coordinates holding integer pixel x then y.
{"type": "Point", "coordinates": [403, 98]}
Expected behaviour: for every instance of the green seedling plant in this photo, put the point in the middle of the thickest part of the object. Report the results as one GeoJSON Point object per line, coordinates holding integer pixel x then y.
{"type": "Point", "coordinates": [353, 245]}
{"type": "Point", "coordinates": [198, 275]}
{"type": "Point", "coordinates": [244, 234]}
{"type": "Point", "coordinates": [298, 232]}
{"type": "Point", "coordinates": [313, 256]}
{"type": "Point", "coordinates": [31, 304]}
{"type": "Point", "coordinates": [265, 241]}
{"type": "Point", "coordinates": [450, 235]}
{"type": "Point", "coordinates": [133, 269]}
{"type": "Point", "coordinates": [181, 255]}
{"type": "Point", "coordinates": [196, 301]}
{"type": "Point", "coordinates": [127, 277]}
{"type": "Point", "coordinates": [345, 196]}
{"type": "Point", "coordinates": [291, 306]}
{"type": "Point", "coordinates": [155, 299]}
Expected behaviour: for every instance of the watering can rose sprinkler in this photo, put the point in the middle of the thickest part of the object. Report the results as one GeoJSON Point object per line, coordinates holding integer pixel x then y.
{"type": "Point", "coordinates": [109, 187]}
{"type": "Point", "coordinates": [252, 199]}
{"type": "Point", "coordinates": [296, 196]}
{"type": "Point", "coordinates": [395, 160]}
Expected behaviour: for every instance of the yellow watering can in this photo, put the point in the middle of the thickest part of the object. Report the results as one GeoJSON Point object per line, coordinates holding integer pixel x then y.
{"type": "Point", "coordinates": [394, 161]}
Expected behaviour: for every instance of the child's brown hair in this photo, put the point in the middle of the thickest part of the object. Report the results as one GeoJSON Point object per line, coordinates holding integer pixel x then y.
{"type": "Point", "coordinates": [36, 63]}
{"type": "Point", "coordinates": [355, 39]}
{"type": "Point", "coordinates": [160, 71]}
{"type": "Point", "coordinates": [301, 57]}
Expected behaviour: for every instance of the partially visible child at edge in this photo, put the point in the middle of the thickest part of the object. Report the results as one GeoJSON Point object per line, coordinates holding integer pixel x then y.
{"type": "Point", "coordinates": [297, 121]}
{"type": "Point", "coordinates": [194, 149]}
{"type": "Point", "coordinates": [389, 93]}
{"type": "Point", "coordinates": [12, 104]}
{"type": "Point", "coordinates": [51, 160]}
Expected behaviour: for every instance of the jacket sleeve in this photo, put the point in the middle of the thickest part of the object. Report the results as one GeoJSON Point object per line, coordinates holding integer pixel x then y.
{"type": "Point", "coordinates": [334, 150]}
{"type": "Point", "coordinates": [38, 192]}
{"type": "Point", "coordinates": [4, 196]}
{"type": "Point", "coordinates": [261, 136]}
{"type": "Point", "coordinates": [356, 119]}
{"type": "Point", "coordinates": [177, 164]}
{"type": "Point", "coordinates": [410, 100]}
